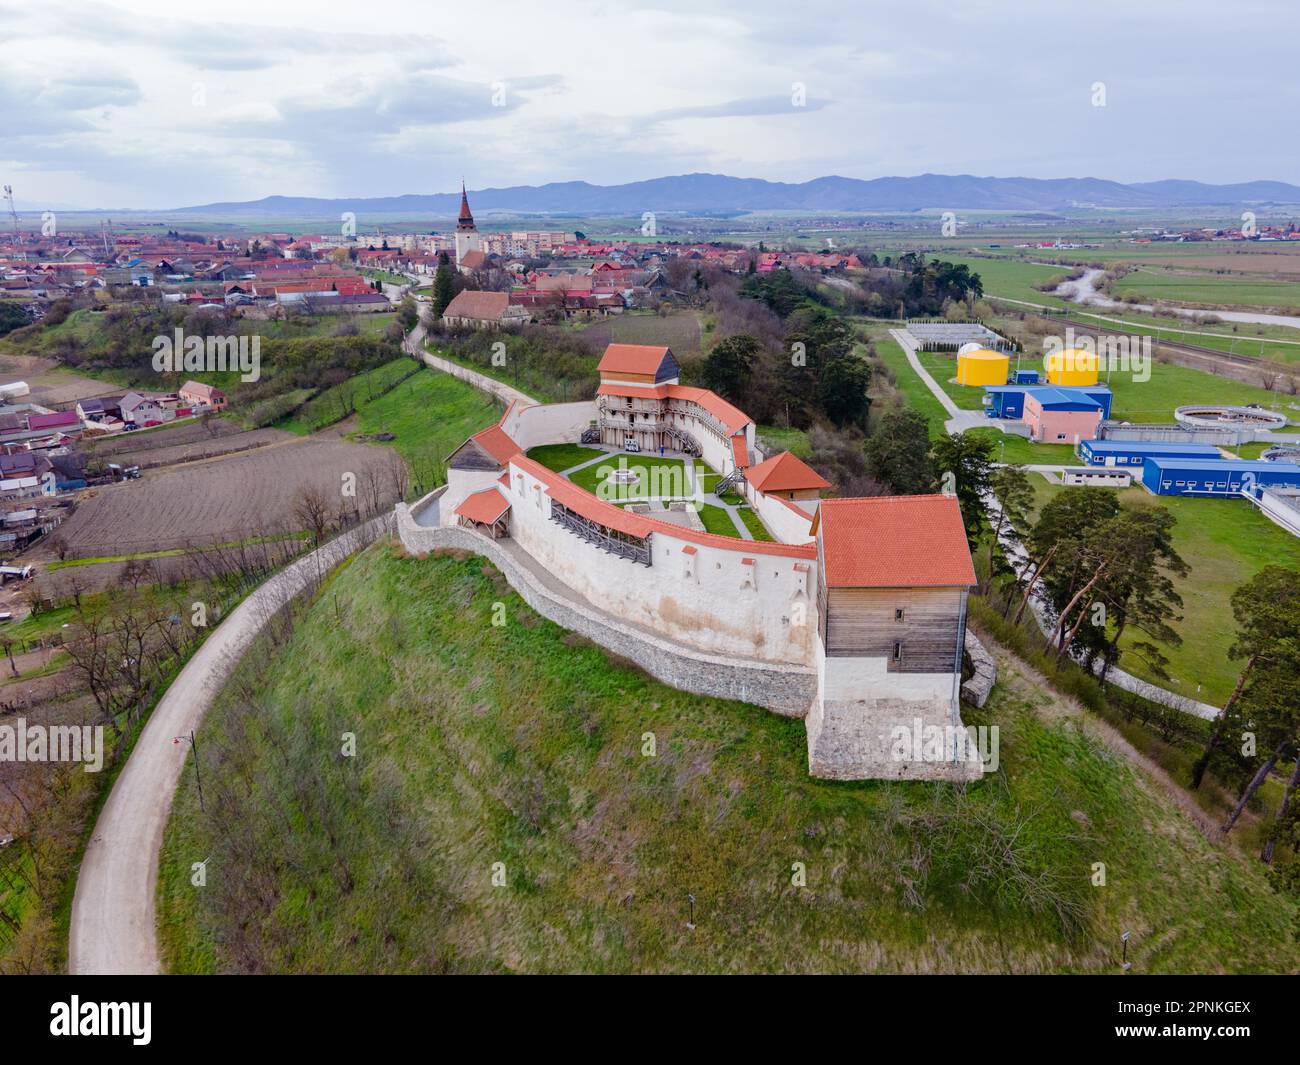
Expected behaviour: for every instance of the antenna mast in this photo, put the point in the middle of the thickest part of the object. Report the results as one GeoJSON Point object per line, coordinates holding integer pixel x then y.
{"type": "Point", "coordinates": [9, 195]}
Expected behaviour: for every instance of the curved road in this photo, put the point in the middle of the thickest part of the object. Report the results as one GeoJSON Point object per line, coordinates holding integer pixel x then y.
{"type": "Point", "coordinates": [114, 922]}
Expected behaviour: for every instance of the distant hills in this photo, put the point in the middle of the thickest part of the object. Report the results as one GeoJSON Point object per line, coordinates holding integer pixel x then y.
{"type": "Point", "coordinates": [720, 193]}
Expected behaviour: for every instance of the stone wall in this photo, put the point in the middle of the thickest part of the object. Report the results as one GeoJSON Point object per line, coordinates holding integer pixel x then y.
{"type": "Point", "coordinates": [784, 689]}
{"type": "Point", "coordinates": [976, 690]}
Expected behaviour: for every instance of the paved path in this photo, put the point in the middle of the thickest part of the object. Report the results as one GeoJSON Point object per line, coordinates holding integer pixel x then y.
{"type": "Point", "coordinates": [958, 420]}
{"type": "Point", "coordinates": [114, 923]}
{"type": "Point", "coordinates": [414, 345]}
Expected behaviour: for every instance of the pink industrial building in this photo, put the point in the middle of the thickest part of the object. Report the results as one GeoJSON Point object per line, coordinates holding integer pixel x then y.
{"type": "Point", "coordinates": [1055, 416]}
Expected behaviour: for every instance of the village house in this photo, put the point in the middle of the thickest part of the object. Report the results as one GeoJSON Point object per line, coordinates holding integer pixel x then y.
{"type": "Point", "coordinates": [198, 394]}
{"type": "Point", "coordinates": [484, 310]}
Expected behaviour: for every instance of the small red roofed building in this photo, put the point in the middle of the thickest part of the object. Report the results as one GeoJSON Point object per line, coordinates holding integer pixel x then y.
{"type": "Point", "coordinates": [196, 394]}
{"type": "Point", "coordinates": [787, 477]}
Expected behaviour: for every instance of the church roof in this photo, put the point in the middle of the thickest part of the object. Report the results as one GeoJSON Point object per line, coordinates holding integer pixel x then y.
{"type": "Point", "coordinates": [466, 220]}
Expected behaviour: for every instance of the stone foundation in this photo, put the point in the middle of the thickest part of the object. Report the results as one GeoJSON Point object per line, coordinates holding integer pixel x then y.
{"type": "Point", "coordinates": [859, 740]}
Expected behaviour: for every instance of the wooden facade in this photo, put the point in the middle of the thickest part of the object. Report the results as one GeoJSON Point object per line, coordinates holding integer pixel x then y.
{"type": "Point", "coordinates": [916, 630]}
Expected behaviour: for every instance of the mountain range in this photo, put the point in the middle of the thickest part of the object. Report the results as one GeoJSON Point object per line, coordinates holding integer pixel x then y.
{"type": "Point", "coordinates": [720, 193]}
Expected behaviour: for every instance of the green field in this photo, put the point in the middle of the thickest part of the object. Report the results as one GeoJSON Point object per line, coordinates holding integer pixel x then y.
{"type": "Point", "coordinates": [1018, 450]}
{"type": "Point", "coordinates": [1224, 542]}
{"type": "Point", "coordinates": [657, 477]}
{"type": "Point", "coordinates": [338, 402]}
{"type": "Point", "coordinates": [906, 383]}
{"type": "Point", "coordinates": [1012, 278]}
{"type": "Point", "coordinates": [1150, 284]}
{"type": "Point", "coordinates": [468, 766]}
{"type": "Point", "coordinates": [430, 415]}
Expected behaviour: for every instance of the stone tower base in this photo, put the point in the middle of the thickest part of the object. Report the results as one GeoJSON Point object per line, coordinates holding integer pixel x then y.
{"type": "Point", "coordinates": [889, 739]}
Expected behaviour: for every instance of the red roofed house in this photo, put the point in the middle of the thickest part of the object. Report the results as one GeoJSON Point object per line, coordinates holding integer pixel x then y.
{"type": "Point", "coordinates": [484, 310]}
{"type": "Point", "coordinates": [787, 477]}
{"type": "Point", "coordinates": [197, 394]}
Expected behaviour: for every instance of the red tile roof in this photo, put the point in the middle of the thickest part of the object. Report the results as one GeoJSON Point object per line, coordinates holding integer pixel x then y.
{"type": "Point", "coordinates": [631, 358]}
{"type": "Point", "coordinates": [895, 542]}
{"type": "Point", "coordinates": [57, 420]}
{"type": "Point", "coordinates": [732, 417]}
{"type": "Point", "coordinates": [484, 507]}
{"type": "Point", "coordinates": [497, 443]}
{"type": "Point", "coordinates": [485, 306]}
{"type": "Point", "coordinates": [784, 473]}
{"type": "Point", "coordinates": [739, 451]}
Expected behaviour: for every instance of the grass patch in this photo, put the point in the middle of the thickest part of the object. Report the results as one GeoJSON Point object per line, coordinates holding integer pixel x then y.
{"type": "Point", "coordinates": [717, 521]}
{"type": "Point", "coordinates": [754, 524]}
{"type": "Point", "coordinates": [430, 414]}
{"type": "Point", "coordinates": [521, 745]}
{"type": "Point", "coordinates": [561, 457]}
{"type": "Point", "coordinates": [343, 399]}
{"type": "Point", "coordinates": [658, 477]}
{"type": "Point", "coordinates": [773, 440]}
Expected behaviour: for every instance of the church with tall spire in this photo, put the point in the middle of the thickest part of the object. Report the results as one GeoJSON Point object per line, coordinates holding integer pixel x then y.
{"type": "Point", "coordinates": [467, 236]}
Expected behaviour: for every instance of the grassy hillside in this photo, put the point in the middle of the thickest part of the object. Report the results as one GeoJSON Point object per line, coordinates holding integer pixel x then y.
{"type": "Point", "coordinates": [520, 744]}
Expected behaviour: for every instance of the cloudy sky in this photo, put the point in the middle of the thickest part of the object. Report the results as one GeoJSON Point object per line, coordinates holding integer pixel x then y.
{"type": "Point", "coordinates": [153, 104]}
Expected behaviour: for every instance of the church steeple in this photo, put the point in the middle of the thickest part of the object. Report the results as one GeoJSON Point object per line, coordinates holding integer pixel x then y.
{"type": "Point", "coordinates": [466, 221]}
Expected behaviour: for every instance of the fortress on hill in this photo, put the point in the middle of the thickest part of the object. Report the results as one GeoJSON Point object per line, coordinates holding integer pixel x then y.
{"type": "Point", "coordinates": [852, 617]}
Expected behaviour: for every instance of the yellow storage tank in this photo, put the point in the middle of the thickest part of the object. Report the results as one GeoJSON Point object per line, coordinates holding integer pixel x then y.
{"type": "Point", "coordinates": [1073, 366]}
{"type": "Point", "coordinates": [982, 367]}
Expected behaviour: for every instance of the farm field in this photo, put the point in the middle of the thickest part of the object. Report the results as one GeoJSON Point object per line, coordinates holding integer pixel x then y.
{"type": "Point", "coordinates": [680, 331]}
{"type": "Point", "coordinates": [162, 450]}
{"type": "Point", "coordinates": [1224, 542]}
{"type": "Point", "coordinates": [1210, 290]}
{"type": "Point", "coordinates": [223, 499]}
{"type": "Point", "coordinates": [384, 863]}
{"type": "Point", "coordinates": [51, 385]}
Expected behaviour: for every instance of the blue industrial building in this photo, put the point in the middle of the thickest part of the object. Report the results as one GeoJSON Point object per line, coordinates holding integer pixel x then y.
{"type": "Point", "coordinates": [1024, 377]}
{"type": "Point", "coordinates": [1215, 477]}
{"type": "Point", "coordinates": [1135, 452]}
{"type": "Point", "coordinates": [1008, 401]}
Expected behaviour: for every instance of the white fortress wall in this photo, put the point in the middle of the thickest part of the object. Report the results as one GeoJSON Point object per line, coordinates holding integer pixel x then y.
{"type": "Point", "coordinates": [784, 520]}
{"type": "Point", "coordinates": [550, 423]}
{"type": "Point", "coordinates": [848, 679]}
{"type": "Point", "coordinates": [707, 597]}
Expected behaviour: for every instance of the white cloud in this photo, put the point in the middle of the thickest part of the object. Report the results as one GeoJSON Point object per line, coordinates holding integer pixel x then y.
{"type": "Point", "coordinates": [163, 105]}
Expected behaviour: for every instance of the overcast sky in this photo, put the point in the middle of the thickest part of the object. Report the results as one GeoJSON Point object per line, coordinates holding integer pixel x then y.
{"type": "Point", "coordinates": [154, 104]}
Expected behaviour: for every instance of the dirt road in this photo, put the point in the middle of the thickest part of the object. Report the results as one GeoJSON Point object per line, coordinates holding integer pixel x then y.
{"type": "Point", "coordinates": [113, 912]}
